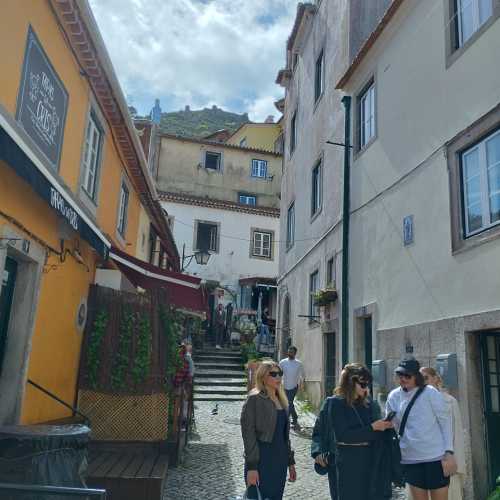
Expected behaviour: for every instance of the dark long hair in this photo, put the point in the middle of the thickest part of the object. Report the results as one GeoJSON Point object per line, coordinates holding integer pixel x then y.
{"type": "Point", "coordinates": [352, 373]}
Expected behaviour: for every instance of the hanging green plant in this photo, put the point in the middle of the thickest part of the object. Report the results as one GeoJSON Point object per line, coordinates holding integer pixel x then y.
{"type": "Point", "coordinates": [94, 347]}
{"type": "Point", "coordinates": [122, 357]}
{"type": "Point", "coordinates": [142, 361]}
{"type": "Point", "coordinates": [171, 328]}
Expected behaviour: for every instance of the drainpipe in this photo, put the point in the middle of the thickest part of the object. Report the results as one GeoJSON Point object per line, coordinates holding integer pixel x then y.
{"type": "Point", "coordinates": [346, 101]}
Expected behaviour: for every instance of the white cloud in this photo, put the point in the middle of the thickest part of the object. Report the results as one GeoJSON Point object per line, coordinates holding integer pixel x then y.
{"type": "Point", "coordinates": [198, 52]}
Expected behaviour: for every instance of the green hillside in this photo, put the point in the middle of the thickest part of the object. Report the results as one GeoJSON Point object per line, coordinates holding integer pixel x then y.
{"type": "Point", "coordinates": [200, 123]}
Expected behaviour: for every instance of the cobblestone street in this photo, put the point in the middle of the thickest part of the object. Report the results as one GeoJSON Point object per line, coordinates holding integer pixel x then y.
{"type": "Point", "coordinates": [213, 464]}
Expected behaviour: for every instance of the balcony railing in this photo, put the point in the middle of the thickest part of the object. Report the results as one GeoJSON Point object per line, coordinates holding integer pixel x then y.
{"type": "Point", "coordinates": [21, 490]}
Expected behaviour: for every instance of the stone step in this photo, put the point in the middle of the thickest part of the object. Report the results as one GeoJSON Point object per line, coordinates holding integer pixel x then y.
{"type": "Point", "coordinates": [234, 382]}
{"type": "Point", "coordinates": [213, 357]}
{"type": "Point", "coordinates": [218, 397]}
{"type": "Point", "coordinates": [218, 366]}
{"type": "Point", "coordinates": [220, 389]}
{"type": "Point", "coordinates": [204, 373]}
{"type": "Point", "coordinates": [219, 354]}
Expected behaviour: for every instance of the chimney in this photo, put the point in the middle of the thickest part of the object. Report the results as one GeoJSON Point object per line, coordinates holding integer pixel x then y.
{"type": "Point", "coordinates": [270, 119]}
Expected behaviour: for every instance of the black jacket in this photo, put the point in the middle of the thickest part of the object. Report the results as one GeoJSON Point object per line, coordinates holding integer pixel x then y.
{"type": "Point", "coordinates": [386, 457]}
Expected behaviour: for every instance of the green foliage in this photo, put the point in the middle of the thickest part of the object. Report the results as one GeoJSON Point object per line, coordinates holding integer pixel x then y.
{"type": "Point", "coordinates": [142, 362]}
{"type": "Point", "coordinates": [249, 352]}
{"type": "Point", "coordinates": [94, 347]}
{"type": "Point", "coordinates": [200, 123]}
{"type": "Point", "coordinates": [495, 494]}
{"type": "Point", "coordinates": [171, 322]}
{"type": "Point", "coordinates": [122, 357]}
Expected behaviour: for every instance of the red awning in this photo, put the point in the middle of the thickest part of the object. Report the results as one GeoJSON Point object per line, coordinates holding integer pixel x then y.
{"type": "Point", "coordinates": [186, 291]}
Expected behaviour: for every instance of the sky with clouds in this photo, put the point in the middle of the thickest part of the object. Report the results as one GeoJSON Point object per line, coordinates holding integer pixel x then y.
{"type": "Point", "coordinates": [198, 52]}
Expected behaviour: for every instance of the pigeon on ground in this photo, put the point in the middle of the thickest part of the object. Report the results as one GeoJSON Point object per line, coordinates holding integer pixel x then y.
{"type": "Point", "coordinates": [216, 409]}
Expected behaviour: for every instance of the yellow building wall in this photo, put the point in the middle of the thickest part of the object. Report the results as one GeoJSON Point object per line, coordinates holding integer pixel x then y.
{"type": "Point", "coordinates": [258, 135]}
{"type": "Point", "coordinates": [56, 343]}
{"type": "Point", "coordinates": [15, 18]}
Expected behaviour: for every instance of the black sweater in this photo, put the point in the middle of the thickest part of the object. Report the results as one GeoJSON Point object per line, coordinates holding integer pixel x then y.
{"type": "Point", "coordinates": [349, 428]}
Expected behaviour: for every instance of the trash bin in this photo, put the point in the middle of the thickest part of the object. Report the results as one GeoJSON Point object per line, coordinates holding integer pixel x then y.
{"type": "Point", "coordinates": [47, 455]}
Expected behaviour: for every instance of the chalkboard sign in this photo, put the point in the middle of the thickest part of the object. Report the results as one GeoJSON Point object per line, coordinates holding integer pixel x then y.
{"type": "Point", "coordinates": [42, 102]}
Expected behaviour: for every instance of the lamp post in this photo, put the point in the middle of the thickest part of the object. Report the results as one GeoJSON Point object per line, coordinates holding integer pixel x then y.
{"type": "Point", "coordinates": [201, 256]}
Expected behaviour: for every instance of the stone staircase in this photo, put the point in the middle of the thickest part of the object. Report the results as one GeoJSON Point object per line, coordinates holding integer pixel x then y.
{"type": "Point", "coordinates": [219, 376]}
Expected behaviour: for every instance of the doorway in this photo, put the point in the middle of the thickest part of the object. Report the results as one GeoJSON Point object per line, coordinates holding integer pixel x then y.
{"type": "Point", "coordinates": [330, 363]}
{"type": "Point", "coordinates": [8, 283]}
{"type": "Point", "coordinates": [490, 355]}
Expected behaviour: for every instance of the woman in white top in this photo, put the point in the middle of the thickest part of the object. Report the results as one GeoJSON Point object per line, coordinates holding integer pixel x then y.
{"type": "Point", "coordinates": [432, 377]}
{"type": "Point", "coordinates": [427, 441]}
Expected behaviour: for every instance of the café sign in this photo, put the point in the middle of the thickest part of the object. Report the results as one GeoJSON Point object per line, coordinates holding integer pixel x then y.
{"type": "Point", "coordinates": [42, 102]}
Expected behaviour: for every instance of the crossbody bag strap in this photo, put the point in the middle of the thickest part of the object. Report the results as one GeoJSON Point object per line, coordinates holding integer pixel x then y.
{"type": "Point", "coordinates": [407, 411]}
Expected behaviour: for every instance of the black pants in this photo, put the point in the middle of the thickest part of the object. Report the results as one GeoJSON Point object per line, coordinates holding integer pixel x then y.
{"type": "Point", "coordinates": [290, 394]}
{"type": "Point", "coordinates": [353, 472]}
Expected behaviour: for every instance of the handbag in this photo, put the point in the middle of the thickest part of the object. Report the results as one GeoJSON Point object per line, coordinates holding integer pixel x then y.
{"type": "Point", "coordinates": [259, 495]}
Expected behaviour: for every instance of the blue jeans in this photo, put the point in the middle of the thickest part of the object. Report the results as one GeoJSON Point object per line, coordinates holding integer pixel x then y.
{"type": "Point", "coordinates": [263, 335]}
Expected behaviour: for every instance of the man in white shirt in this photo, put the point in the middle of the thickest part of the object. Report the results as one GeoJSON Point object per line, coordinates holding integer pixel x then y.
{"type": "Point", "coordinates": [293, 380]}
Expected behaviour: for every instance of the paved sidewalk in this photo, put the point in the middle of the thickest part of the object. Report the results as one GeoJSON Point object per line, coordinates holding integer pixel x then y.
{"type": "Point", "coordinates": [213, 464]}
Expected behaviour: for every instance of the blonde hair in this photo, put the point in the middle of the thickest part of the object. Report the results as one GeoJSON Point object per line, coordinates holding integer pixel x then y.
{"type": "Point", "coordinates": [434, 374]}
{"type": "Point", "coordinates": [352, 373]}
{"type": "Point", "coordinates": [260, 386]}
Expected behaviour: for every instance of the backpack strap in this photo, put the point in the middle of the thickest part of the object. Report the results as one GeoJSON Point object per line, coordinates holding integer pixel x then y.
{"type": "Point", "coordinates": [407, 411]}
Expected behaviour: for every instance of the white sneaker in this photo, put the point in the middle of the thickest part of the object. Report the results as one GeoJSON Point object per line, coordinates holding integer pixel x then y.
{"type": "Point", "coordinates": [218, 347]}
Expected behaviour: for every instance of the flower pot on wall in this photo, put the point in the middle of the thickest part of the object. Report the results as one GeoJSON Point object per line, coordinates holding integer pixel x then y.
{"type": "Point", "coordinates": [325, 297]}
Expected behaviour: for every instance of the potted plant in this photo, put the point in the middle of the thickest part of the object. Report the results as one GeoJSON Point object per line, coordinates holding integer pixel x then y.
{"type": "Point", "coordinates": [325, 296]}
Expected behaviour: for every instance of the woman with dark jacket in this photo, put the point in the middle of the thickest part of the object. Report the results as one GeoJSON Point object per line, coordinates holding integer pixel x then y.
{"type": "Point", "coordinates": [356, 429]}
{"type": "Point", "coordinates": [265, 428]}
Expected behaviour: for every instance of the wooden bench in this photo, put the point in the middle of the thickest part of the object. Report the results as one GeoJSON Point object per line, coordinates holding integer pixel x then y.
{"type": "Point", "coordinates": [129, 473]}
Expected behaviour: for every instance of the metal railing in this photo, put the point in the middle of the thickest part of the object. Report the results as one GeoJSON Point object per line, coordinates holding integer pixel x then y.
{"type": "Point", "coordinates": [59, 400]}
{"type": "Point", "coordinates": [52, 490]}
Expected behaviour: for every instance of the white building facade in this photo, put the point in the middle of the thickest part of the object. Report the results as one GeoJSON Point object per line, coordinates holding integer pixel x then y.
{"type": "Point", "coordinates": [425, 207]}
{"type": "Point", "coordinates": [311, 193]}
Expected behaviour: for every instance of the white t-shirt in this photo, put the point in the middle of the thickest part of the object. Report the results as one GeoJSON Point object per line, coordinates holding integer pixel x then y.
{"type": "Point", "coordinates": [428, 433]}
{"type": "Point", "coordinates": [293, 373]}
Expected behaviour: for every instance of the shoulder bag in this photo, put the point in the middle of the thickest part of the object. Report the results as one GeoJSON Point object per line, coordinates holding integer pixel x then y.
{"type": "Point", "coordinates": [407, 411]}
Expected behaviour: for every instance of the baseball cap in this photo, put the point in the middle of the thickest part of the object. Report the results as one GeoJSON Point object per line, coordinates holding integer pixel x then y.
{"type": "Point", "coordinates": [408, 366]}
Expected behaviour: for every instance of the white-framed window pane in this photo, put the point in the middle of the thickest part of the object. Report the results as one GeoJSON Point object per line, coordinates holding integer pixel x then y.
{"type": "Point", "coordinates": [313, 287]}
{"type": "Point", "coordinates": [212, 160]}
{"type": "Point", "coordinates": [259, 168]}
{"type": "Point", "coordinates": [472, 182]}
{"type": "Point", "coordinates": [290, 230]}
{"type": "Point", "coordinates": [485, 10]}
{"type": "Point", "coordinates": [262, 244]}
{"type": "Point", "coordinates": [367, 116]}
{"type": "Point", "coordinates": [91, 157]}
{"type": "Point", "coordinates": [466, 17]}
{"type": "Point", "coordinates": [122, 213]}
{"type": "Point", "coordinates": [493, 165]}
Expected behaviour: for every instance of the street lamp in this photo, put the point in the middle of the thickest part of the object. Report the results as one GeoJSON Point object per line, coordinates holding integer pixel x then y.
{"type": "Point", "coordinates": [201, 256]}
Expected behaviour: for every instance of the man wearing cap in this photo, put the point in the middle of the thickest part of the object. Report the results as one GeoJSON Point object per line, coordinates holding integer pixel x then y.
{"type": "Point", "coordinates": [426, 438]}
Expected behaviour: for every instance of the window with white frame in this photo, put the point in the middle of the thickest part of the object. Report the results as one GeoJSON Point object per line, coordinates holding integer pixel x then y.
{"type": "Point", "coordinates": [316, 188]}
{"type": "Point", "coordinates": [319, 77]}
{"type": "Point", "coordinates": [313, 288]}
{"type": "Point", "coordinates": [247, 199]}
{"type": "Point", "coordinates": [262, 244]}
{"type": "Point", "coordinates": [212, 160]}
{"type": "Point", "coordinates": [471, 15]}
{"type": "Point", "coordinates": [123, 209]}
{"type": "Point", "coordinates": [331, 271]}
{"type": "Point", "coordinates": [259, 168]}
{"type": "Point", "coordinates": [243, 142]}
{"type": "Point", "coordinates": [293, 132]}
{"type": "Point", "coordinates": [207, 236]}
{"type": "Point", "coordinates": [290, 226]}
{"type": "Point", "coordinates": [91, 156]}
{"type": "Point", "coordinates": [481, 184]}
{"type": "Point", "coordinates": [366, 115]}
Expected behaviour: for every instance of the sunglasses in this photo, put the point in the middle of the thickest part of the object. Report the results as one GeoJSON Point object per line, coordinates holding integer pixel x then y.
{"type": "Point", "coordinates": [275, 374]}
{"type": "Point", "coordinates": [405, 376]}
{"type": "Point", "coordinates": [363, 385]}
